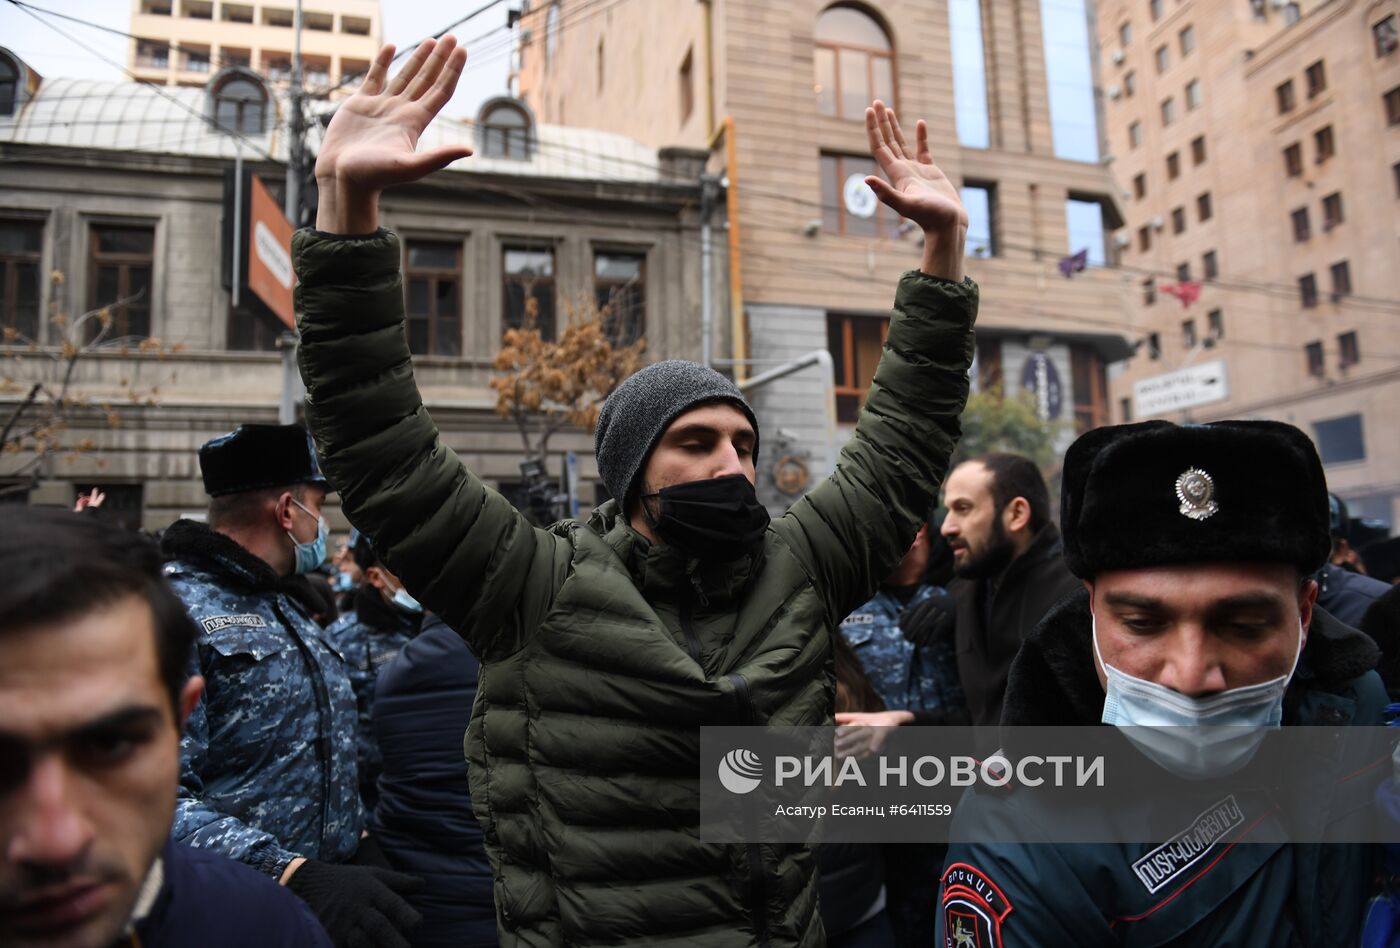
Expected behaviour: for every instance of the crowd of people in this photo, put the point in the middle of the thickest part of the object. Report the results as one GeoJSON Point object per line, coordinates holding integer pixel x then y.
{"type": "Point", "coordinates": [457, 728]}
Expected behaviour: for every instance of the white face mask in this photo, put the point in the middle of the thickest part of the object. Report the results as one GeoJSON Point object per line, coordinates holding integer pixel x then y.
{"type": "Point", "coordinates": [1194, 738]}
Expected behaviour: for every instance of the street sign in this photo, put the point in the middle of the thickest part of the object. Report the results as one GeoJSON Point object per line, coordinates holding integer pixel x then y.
{"type": "Point", "coordinates": [270, 254]}
{"type": "Point", "coordinates": [1185, 388]}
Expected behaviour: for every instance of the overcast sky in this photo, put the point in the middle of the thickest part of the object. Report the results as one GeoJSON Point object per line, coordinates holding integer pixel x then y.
{"type": "Point", "coordinates": [405, 21]}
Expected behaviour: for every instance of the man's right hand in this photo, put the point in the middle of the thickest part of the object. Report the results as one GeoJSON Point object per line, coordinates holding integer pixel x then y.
{"type": "Point", "coordinates": [359, 906]}
{"type": "Point", "coordinates": [372, 141]}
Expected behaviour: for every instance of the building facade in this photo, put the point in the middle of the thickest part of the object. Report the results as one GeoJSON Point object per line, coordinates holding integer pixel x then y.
{"type": "Point", "coordinates": [184, 42]}
{"type": "Point", "coordinates": [1258, 148]}
{"type": "Point", "coordinates": [138, 208]}
{"type": "Point", "coordinates": [776, 91]}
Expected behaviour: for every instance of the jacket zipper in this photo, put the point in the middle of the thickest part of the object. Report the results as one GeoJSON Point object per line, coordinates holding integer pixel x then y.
{"type": "Point", "coordinates": [758, 894]}
{"type": "Point", "coordinates": [692, 641]}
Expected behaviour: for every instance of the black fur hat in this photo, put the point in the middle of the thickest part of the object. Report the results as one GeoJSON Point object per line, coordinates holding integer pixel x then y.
{"type": "Point", "coordinates": [1155, 493]}
{"type": "Point", "coordinates": [251, 457]}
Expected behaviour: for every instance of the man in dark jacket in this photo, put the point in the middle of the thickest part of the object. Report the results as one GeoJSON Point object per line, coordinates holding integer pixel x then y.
{"type": "Point", "coordinates": [1196, 546]}
{"type": "Point", "coordinates": [1011, 570]}
{"type": "Point", "coordinates": [93, 691]}
{"type": "Point", "coordinates": [605, 645]}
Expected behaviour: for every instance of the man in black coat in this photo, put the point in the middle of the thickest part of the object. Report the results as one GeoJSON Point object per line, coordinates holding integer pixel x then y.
{"type": "Point", "coordinates": [1010, 567]}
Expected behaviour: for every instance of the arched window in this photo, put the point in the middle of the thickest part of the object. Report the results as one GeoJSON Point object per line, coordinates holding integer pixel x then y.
{"type": "Point", "coordinates": [854, 60]}
{"type": "Point", "coordinates": [240, 105]}
{"type": "Point", "coordinates": [506, 131]}
{"type": "Point", "coordinates": [9, 85]}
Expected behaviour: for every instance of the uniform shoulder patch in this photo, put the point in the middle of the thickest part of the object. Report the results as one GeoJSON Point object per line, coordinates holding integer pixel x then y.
{"type": "Point", "coordinates": [217, 623]}
{"type": "Point", "coordinates": [974, 908]}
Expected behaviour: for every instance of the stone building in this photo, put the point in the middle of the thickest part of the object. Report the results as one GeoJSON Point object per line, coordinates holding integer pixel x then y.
{"type": "Point", "coordinates": [775, 91]}
{"type": "Point", "coordinates": [1258, 148]}
{"type": "Point", "coordinates": [120, 187]}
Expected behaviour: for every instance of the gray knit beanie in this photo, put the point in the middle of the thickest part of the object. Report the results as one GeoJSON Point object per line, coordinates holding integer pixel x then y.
{"type": "Point", "coordinates": [639, 411]}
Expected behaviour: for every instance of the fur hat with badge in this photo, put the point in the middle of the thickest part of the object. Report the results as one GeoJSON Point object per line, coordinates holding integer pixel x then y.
{"type": "Point", "coordinates": [1157, 494]}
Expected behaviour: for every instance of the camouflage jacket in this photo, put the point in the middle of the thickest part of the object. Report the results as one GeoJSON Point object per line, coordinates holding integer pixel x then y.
{"type": "Point", "coordinates": [370, 637]}
{"type": "Point", "coordinates": [267, 761]}
{"type": "Point", "coordinates": [908, 677]}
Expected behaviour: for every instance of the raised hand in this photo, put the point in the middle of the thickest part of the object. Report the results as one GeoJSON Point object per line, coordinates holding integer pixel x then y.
{"type": "Point", "coordinates": [917, 189]}
{"type": "Point", "coordinates": [372, 142]}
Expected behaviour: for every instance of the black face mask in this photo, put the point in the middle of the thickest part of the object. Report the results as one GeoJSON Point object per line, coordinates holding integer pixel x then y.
{"type": "Point", "coordinates": [718, 519]}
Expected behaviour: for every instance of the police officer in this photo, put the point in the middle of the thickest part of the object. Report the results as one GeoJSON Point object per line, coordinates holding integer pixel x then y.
{"type": "Point", "coordinates": [267, 768]}
{"type": "Point", "coordinates": [383, 619]}
{"type": "Point", "coordinates": [1196, 546]}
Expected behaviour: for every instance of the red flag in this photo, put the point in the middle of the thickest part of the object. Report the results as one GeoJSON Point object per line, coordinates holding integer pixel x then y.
{"type": "Point", "coordinates": [1185, 291]}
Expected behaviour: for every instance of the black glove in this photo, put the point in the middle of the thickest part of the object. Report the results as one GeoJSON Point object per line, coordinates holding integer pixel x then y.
{"type": "Point", "coordinates": [929, 620]}
{"type": "Point", "coordinates": [359, 906]}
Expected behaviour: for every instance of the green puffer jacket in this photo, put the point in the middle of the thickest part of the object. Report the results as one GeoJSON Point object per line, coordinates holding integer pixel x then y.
{"type": "Point", "coordinates": [603, 654]}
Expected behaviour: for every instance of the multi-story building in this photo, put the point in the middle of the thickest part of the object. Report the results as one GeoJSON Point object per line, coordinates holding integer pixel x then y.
{"type": "Point", "coordinates": [184, 42]}
{"type": "Point", "coordinates": [1258, 145]}
{"type": "Point", "coordinates": [776, 90]}
{"type": "Point", "coordinates": [138, 209]}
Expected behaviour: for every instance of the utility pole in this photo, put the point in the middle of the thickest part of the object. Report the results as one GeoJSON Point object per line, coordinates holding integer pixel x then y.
{"type": "Point", "coordinates": [296, 140]}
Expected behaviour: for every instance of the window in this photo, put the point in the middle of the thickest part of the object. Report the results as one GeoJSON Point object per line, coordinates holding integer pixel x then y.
{"type": "Point", "coordinates": [1140, 186]}
{"type": "Point", "coordinates": [320, 22]}
{"type": "Point", "coordinates": [355, 25]}
{"type": "Point", "coordinates": [1178, 220]}
{"type": "Point", "coordinates": [1293, 160]}
{"type": "Point", "coordinates": [240, 105]}
{"type": "Point", "coordinates": [506, 131]}
{"type": "Point", "coordinates": [1348, 350]}
{"type": "Point", "coordinates": [1155, 7]}
{"type": "Point", "coordinates": [1284, 94]}
{"type": "Point", "coordinates": [1332, 212]}
{"type": "Point", "coordinates": [1173, 166]}
{"type": "Point", "coordinates": [1316, 76]}
{"type": "Point", "coordinates": [1215, 319]}
{"type": "Point", "coordinates": [233, 56]}
{"type": "Point", "coordinates": [1203, 206]}
{"type": "Point", "coordinates": [854, 62]}
{"type": "Point", "coordinates": [235, 13]}
{"type": "Point", "coordinates": [277, 66]}
{"type": "Point", "coordinates": [1317, 367]}
{"type": "Point", "coordinates": [1089, 383]}
{"type": "Point", "coordinates": [1084, 218]}
{"type": "Point", "coordinates": [1188, 334]}
{"type": "Point", "coordinates": [1144, 238]}
{"type": "Point", "coordinates": [1187, 39]}
{"type": "Point", "coordinates": [1134, 134]}
{"type": "Point", "coordinates": [1154, 345]}
{"type": "Point", "coordinates": [1326, 146]}
{"type": "Point", "coordinates": [432, 279]}
{"type": "Point", "coordinates": [1125, 33]}
{"type": "Point", "coordinates": [197, 9]}
{"type": "Point", "coordinates": [353, 70]}
{"type": "Point", "coordinates": [9, 85]}
{"type": "Point", "coordinates": [980, 201]}
{"type": "Point", "coordinates": [686, 78]}
{"type": "Point", "coordinates": [969, 73]}
{"type": "Point", "coordinates": [529, 288]}
{"type": "Point", "coordinates": [1070, 52]}
{"type": "Point", "coordinates": [1341, 280]}
{"type": "Point", "coordinates": [1193, 94]}
{"type": "Point", "coordinates": [157, 7]}
{"type": "Point", "coordinates": [855, 343]}
{"type": "Point", "coordinates": [848, 204]}
{"type": "Point", "coordinates": [619, 284]}
{"type": "Point", "coordinates": [1292, 13]}
{"type": "Point", "coordinates": [1340, 439]}
{"type": "Point", "coordinates": [120, 262]}
{"type": "Point", "coordinates": [1163, 58]}
{"type": "Point", "coordinates": [1386, 35]}
{"type": "Point", "coordinates": [1210, 269]}
{"type": "Point", "coordinates": [275, 17]}
{"type": "Point", "coordinates": [122, 507]}
{"type": "Point", "coordinates": [1168, 110]}
{"type": "Point", "coordinates": [1149, 297]}
{"type": "Point", "coordinates": [1302, 228]}
{"type": "Point", "coordinates": [1198, 150]}
{"type": "Point", "coordinates": [1183, 273]}
{"type": "Point", "coordinates": [1307, 290]}
{"type": "Point", "coordinates": [1129, 83]}
{"type": "Point", "coordinates": [1392, 106]}
{"type": "Point", "coordinates": [152, 54]}
{"type": "Point", "coordinates": [21, 246]}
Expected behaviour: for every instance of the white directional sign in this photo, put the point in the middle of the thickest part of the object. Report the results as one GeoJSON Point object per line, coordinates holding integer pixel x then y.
{"type": "Point", "coordinates": [1185, 388]}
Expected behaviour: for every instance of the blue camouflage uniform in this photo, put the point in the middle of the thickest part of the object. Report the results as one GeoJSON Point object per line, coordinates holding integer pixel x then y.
{"type": "Point", "coordinates": [907, 676]}
{"type": "Point", "coordinates": [370, 637]}
{"type": "Point", "coordinates": [267, 761]}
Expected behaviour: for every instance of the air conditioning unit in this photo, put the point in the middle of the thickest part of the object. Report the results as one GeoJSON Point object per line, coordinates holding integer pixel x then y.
{"type": "Point", "coordinates": [1115, 92]}
{"type": "Point", "coordinates": [1121, 241]}
{"type": "Point", "coordinates": [1157, 223]}
{"type": "Point", "coordinates": [1118, 57]}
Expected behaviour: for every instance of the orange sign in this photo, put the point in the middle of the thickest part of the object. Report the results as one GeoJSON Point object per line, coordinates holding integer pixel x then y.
{"type": "Point", "coordinates": [270, 254]}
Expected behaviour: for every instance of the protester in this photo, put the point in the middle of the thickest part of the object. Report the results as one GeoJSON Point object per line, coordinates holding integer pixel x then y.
{"type": "Point", "coordinates": [1196, 545]}
{"type": "Point", "coordinates": [423, 820]}
{"type": "Point", "coordinates": [93, 691]}
{"type": "Point", "coordinates": [268, 772]}
{"type": "Point", "coordinates": [348, 576]}
{"type": "Point", "coordinates": [1343, 592]}
{"type": "Point", "coordinates": [384, 618]}
{"type": "Point", "coordinates": [606, 644]}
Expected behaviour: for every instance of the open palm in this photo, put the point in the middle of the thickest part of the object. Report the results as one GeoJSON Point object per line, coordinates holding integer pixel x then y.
{"type": "Point", "coordinates": [917, 188]}
{"type": "Point", "coordinates": [372, 142]}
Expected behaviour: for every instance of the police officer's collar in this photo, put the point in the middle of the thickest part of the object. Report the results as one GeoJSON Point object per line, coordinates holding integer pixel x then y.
{"type": "Point", "coordinates": [194, 543]}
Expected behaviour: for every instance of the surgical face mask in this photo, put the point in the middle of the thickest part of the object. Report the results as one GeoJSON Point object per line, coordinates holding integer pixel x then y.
{"type": "Point", "coordinates": [342, 583]}
{"type": "Point", "coordinates": [717, 519]}
{"type": "Point", "coordinates": [312, 553]}
{"type": "Point", "coordinates": [404, 601]}
{"type": "Point", "coordinates": [1194, 738]}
